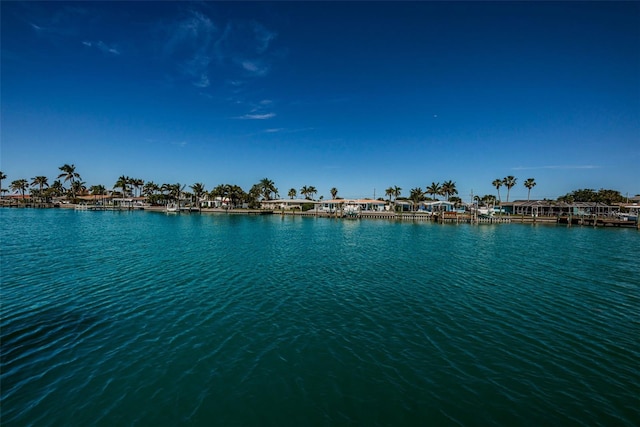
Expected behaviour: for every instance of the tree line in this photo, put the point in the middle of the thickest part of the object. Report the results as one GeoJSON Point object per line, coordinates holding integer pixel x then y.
{"type": "Point", "coordinates": [607, 197]}
{"type": "Point", "coordinates": [265, 189]}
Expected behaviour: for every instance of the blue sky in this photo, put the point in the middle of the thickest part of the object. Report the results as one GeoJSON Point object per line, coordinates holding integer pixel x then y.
{"type": "Point", "coordinates": [354, 95]}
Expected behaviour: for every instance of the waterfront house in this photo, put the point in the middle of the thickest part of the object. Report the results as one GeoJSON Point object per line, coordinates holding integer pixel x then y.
{"type": "Point", "coordinates": [370, 205]}
{"type": "Point", "coordinates": [13, 199]}
{"type": "Point", "coordinates": [331, 206]}
{"type": "Point", "coordinates": [436, 206]}
{"type": "Point", "coordinates": [216, 202]}
{"type": "Point", "coordinates": [287, 204]}
{"type": "Point", "coordinates": [100, 200]}
{"type": "Point", "coordinates": [362, 205]}
{"type": "Point", "coordinates": [127, 202]}
{"type": "Point", "coordinates": [403, 205]}
{"type": "Point", "coordinates": [555, 208]}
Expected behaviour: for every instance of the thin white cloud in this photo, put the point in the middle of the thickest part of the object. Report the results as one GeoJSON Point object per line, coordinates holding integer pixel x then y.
{"type": "Point", "coordinates": [189, 44]}
{"type": "Point", "coordinates": [249, 66]}
{"type": "Point", "coordinates": [195, 32]}
{"type": "Point", "coordinates": [263, 37]}
{"type": "Point", "coordinates": [64, 22]}
{"type": "Point", "coordinates": [560, 167]}
{"type": "Point", "coordinates": [203, 82]}
{"type": "Point", "coordinates": [286, 131]}
{"type": "Point", "coordinates": [255, 67]}
{"type": "Point", "coordinates": [103, 47]}
{"type": "Point", "coordinates": [261, 116]}
{"type": "Point", "coordinates": [198, 44]}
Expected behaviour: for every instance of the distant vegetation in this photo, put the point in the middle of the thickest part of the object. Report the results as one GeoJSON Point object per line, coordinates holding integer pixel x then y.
{"type": "Point", "coordinates": [266, 189]}
{"type": "Point", "coordinates": [608, 197]}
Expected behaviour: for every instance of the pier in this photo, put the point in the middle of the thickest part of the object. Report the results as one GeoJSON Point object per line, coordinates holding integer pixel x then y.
{"type": "Point", "coordinates": [597, 221]}
{"type": "Point", "coordinates": [443, 217]}
{"type": "Point", "coordinates": [106, 208]}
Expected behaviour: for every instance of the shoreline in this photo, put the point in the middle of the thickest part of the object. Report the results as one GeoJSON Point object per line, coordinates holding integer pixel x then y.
{"type": "Point", "coordinates": [404, 216]}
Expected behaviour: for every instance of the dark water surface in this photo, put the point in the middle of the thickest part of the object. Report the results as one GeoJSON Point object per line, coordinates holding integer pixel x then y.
{"type": "Point", "coordinates": [138, 318]}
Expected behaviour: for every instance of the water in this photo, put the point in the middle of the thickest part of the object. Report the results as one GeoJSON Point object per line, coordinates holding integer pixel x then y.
{"type": "Point", "coordinates": [138, 318]}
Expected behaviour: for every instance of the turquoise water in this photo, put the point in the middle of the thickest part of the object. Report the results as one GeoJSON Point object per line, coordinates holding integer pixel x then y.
{"type": "Point", "coordinates": [139, 318]}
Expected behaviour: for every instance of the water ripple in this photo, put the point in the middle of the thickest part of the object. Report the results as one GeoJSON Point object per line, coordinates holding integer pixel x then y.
{"type": "Point", "coordinates": [272, 321]}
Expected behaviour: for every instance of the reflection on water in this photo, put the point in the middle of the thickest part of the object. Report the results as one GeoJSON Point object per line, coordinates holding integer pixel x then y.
{"type": "Point", "coordinates": [234, 320]}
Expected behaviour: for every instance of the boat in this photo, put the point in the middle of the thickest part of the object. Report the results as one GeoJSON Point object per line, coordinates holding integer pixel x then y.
{"type": "Point", "coordinates": [351, 210]}
{"type": "Point", "coordinates": [485, 212]}
{"type": "Point", "coordinates": [627, 216]}
{"type": "Point", "coordinates": [172, 208]}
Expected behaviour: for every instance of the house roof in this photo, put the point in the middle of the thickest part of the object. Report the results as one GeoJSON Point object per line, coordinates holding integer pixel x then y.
{"type": "Point", "coordinates": [553, 203]}
{"type": "Point", "coordinates": [362, 201]}
{"type": "Point", "coordinates": [372, 201]}
{"type": "Point", "coordinates": [291, 201]}
{"type": "Point", "coordinates": [127, 199]}
{"type": "Point", "coordinates": [437, 202]}
{"type": "Point", "coordinates": [92, 197]}
{"type": "Point", "coordinates": [16, 196]}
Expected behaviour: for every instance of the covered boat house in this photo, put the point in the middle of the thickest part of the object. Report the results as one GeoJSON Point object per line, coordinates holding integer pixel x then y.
{"type": "Point", "coordinates": [555, 208]}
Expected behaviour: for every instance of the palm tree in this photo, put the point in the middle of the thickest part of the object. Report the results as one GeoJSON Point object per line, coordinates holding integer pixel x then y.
{"type": "Point", "coordinates": [449, 189]}
{"type": "Point", "coordinates": [416, 195]}
{"type": "Point", "coordinates": [389, 192]}
{"type": "Point", "coordinates": [305, 191]}
{"type": "Point", "coordinates": [498, 183]}
{"type": "Point", "coordinates": [69, 174]}
{"type": "Point", "coordinates": [97, 190]}
{"type": "Point", "coordinates": [333, 192]}
{"type": "Point", "coordinates": [123, 183]}
{"type": "Point", "coordinates": [434, 189]}
{"type": "Point", "coordinates": [20, 185]}
{"type": "Point", "coordinates": [292, 193]}
{"type": "Point", "coordinates": [78, 187]}
{"type": "Point", "coordinates": [529, 183]}
{"type": "Point", "coordinates": [137, 183]}
{"type": "Point", "coordinates": [509, 182]}
{"type": "Point", "coordinates": [175, 191]}
{"type": "Point", "coordinates": [444, 189]}
{"type": "Point", "coordinates": [40, 181]}
{"type": "Point", "coordinates": [150, 188]}
{"type": "Point", "coordinates": [198, 190]}
{"type": "Point", "coordinates": [488, 199]}
{"type": "Point", "coordinates": [186, 195]}
{"type": "Point", "coordinates": [396, 192]}
{"type": "Point", "coordinates": [2, 176]}
{"type": "Point", "coordinates": [267, 187]}
{"type": "Point", "coordinates": [312, 191]}
{"type": "Point", "coordinates": [235, 194]}
{"type": "Point", "coordinates": [221, 191]}
{"type": "Point", "coordinates": [57, 189]}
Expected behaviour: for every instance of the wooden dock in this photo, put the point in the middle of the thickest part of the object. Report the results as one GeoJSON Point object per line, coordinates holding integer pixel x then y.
{"type": "Point", "coordinates": [595, 221]}
{"type": "Point", "coordinates": [439, 217]}
{"type": "Point", "coordinates": [442, 217]}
